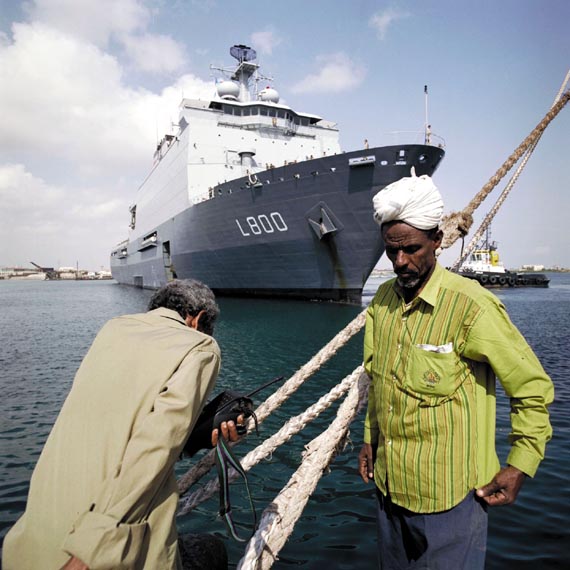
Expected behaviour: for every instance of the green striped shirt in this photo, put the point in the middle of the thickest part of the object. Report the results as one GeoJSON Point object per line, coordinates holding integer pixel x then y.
{"type": "Point", "coordinates": [431, 406]}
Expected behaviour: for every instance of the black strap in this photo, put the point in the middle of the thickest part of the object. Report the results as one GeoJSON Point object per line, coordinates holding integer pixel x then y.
{"type": "Point", "coordinates": [224, 459]}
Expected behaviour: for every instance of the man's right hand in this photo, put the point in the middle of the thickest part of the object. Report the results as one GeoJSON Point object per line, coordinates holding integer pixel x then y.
{"type": "Point", "coordinates": [366, 462]}
{"type": "Point", "coordinates": [229, 431]}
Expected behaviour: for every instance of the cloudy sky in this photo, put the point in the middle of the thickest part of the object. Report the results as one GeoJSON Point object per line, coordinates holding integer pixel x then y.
{"type": "Point", "coordinates": [86, 86]}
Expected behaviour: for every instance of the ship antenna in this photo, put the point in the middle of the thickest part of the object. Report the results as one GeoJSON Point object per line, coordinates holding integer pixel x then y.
{"type": "Point", "coordinates": [427, 135]}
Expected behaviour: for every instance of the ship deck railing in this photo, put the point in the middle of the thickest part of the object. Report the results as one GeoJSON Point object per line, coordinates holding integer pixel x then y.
{"type": "Point", "coordinates": [396, 138]}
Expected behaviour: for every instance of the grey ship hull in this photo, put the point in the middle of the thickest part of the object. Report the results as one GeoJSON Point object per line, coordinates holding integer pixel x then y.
{"type": "Point", "coordinates": [303, 230]}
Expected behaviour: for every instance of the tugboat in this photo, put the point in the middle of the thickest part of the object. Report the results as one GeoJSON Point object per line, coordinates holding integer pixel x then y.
{"type": "Point", "coordinates": [484, 266]}
{"type": "Point", "coordinates": [254, 198]}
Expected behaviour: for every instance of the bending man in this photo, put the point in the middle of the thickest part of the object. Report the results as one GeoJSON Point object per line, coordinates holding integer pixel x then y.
{"type": "Point", "coordinates": [103, 494]}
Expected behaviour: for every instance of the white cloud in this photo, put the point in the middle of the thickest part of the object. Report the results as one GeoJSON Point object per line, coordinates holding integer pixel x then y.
{"type": "Point", "coordinates": [98, 22]}
{"type": "Point", "coordinates": [265, 41]}
{"type": "Point", "coordinates": [155, 53]}
{"type": "Point", "coordinates": [22, 193]}
{"type": "Point", "coordinates": [53, 224]}
{"type": "Point", "coordinates": [76, 142]}
{"type": "Point", "coordinates": [382, 20]}
{"type": "Point", "coordinates": [99, 210]}
{"type": "Point", "coordinates": [337, 73]}
{"type": "Point", "coordinates": [92, 20]}
{"type": "Point", "coordinates": [67, 99]}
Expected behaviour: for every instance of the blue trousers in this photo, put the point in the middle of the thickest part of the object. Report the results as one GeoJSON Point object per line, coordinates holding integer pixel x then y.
{"type": "Point", "coordinates": [450, 540]}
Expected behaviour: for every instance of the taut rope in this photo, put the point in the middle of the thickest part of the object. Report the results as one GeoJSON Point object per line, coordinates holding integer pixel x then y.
{"type": "Point", "coordinates": [280, 396]}
{"type": "Point", "coordinates": [279, 518]}
{"type": "Point", "coordinates": [457, 224]}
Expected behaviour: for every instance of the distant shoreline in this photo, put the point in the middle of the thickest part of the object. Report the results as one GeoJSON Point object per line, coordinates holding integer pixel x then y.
{"type": "Point", "coordinates": [545, 270]}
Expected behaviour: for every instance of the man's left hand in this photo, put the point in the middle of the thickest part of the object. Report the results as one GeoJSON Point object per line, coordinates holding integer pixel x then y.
{"type": "Point", "coordinates": [504, 487]}
{"type": "Point", "coordinates": [229, 431]}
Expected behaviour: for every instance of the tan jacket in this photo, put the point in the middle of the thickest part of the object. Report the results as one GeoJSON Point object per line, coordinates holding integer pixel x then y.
{"type": "Point", "coordinates": [104, 489]}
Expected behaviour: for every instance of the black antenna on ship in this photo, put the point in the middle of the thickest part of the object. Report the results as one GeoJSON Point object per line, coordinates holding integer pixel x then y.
{"type": "Point", "coordinates": [427, 136]}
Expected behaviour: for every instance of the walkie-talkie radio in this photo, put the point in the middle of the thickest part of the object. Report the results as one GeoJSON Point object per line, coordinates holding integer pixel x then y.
{"type": "Point", "coordinates": [225, 407]}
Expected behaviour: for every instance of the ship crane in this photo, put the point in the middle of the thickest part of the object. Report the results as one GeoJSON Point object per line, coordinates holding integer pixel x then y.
{"type": "Point", "coordinates": [465, 252]}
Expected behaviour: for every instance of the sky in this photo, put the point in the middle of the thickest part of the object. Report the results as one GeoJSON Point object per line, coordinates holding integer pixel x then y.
{"type": "Point", "coordinates": [87, 87]}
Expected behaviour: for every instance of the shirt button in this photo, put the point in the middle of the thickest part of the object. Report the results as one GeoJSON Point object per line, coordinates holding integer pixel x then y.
{"type": "Point", "coordinates": [389, 442]}
{"type": "Point", "coordinates": [393, 377]}
{"type": "Point", "coordinates": [399, 346]}
{"type": "Point", "coordinates": [390, 408]}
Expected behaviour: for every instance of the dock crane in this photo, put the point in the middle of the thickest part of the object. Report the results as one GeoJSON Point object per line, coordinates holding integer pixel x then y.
{"type": "Point", "coordinates": [49, 271]}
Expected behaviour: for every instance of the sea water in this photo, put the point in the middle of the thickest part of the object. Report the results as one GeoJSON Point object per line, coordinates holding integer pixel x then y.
{"type": "Point", "coordinates": [46, 328]}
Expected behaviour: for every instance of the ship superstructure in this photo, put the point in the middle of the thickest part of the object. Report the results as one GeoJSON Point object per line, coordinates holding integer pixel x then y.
{"type": "Point", "coordinates": [255, 198]}
{"type": "Point", "coordinates": [484, 259]}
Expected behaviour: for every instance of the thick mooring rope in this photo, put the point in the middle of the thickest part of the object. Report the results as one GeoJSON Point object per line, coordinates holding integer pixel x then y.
{"type": "Point", "coordinates": [278, 520]}
{"type": "Point", "coordinates": [280, 396]}
{"type": "Point", "coordinates": [457, 224]}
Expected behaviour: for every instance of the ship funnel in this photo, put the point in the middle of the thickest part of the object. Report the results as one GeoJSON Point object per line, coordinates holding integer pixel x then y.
{"type": "Point", "coordinates": [246, 157]}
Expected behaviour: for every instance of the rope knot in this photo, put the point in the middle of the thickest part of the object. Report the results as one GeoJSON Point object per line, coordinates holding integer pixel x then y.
{"type": "Point", "coordinates": [455, 225]}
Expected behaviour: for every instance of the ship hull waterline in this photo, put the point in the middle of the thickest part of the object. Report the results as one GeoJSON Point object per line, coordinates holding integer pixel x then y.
{"type": "Point", "coordinates": [303, 230]}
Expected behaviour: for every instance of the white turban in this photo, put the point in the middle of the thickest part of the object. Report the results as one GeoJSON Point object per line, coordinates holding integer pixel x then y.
{"type": "Point", "coordinates": [414, 200]}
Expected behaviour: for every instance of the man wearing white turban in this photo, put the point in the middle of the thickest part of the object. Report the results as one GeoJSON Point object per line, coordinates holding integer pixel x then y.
{"type": "Point", "coordinates": [414, 200]}
{"type": "Point", "coordinates": [433, 344]}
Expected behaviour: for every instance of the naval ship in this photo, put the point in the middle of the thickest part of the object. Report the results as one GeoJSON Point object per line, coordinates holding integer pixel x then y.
{"type": "Point", "coordinates": [256, 199]}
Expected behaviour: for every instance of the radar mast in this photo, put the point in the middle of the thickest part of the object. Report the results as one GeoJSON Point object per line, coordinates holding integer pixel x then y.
{"type": "Point", "coordinates": [245, 70]}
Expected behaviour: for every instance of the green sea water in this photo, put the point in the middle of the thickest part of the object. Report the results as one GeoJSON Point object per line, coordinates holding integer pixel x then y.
{"type": "Point", "coordinates": [46, 328]}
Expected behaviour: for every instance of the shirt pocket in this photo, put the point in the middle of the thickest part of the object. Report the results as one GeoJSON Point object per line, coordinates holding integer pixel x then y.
{"type": "Point", "coordinates": [432, 377]}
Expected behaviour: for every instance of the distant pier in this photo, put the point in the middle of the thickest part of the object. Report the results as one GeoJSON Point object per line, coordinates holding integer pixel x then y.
{"type": "Point", "coordinates": [38, 273]}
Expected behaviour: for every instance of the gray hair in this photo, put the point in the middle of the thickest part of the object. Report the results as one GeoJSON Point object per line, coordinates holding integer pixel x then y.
{"type": "Point", "coordinates": [188, 297]}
